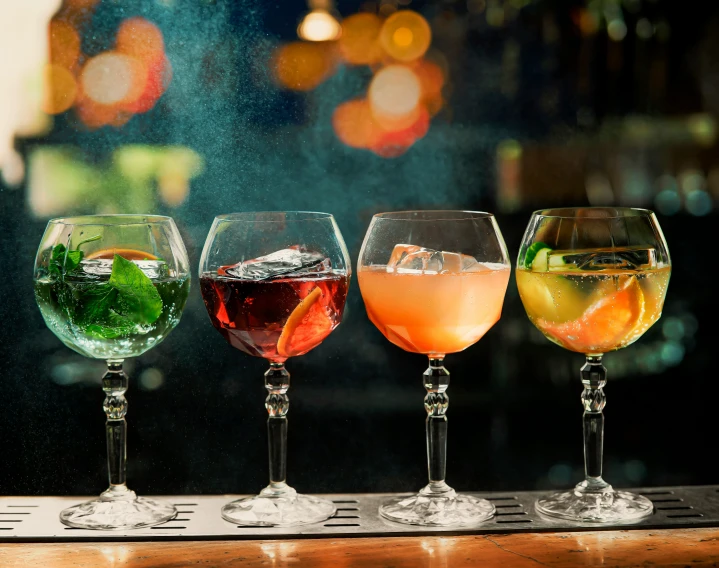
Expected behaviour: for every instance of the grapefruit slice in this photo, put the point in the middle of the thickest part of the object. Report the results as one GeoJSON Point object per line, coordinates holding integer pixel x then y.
{"type": "Point", "coordinates": [604, 326]}
{"type": "Point", "coordinates": [305, 328]}
{"type": "Point", "coordinates": [127, 254]}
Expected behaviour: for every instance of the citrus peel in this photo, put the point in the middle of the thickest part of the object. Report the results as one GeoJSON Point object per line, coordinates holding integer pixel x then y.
{"type": "Point", "coordinates": [295, 319]}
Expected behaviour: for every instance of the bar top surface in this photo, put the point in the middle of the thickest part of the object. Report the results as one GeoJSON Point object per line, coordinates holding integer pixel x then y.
{"type": "Point", "coordinates": [666, 547]}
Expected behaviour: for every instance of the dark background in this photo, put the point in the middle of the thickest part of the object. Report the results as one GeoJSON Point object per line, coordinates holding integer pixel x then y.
{"type": "Point", "coordinates": [578, 105]}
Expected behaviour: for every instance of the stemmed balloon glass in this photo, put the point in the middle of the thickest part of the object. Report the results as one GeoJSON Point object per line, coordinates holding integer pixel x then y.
{"type": "Point", "coordinates": [433, 282]}
{"type": "Point", "coordinates": [111, 287]}
{"type": "Point", "coordinates": [275, 284]}
{"type": "Point", "coordinates": [593, 280]}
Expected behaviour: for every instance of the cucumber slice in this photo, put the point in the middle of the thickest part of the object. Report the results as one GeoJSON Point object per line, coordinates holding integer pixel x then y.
{"type": "Point", "coordinates": [556, 262]}
{"type": "Point", "coordinates": [533, 258]}
{"type": "Point", "coordinates": [540, 260]}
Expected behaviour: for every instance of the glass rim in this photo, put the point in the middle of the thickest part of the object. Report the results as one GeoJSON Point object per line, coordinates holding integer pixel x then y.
{"type": "Point", "coordinates": [121, 220]}
{"type": "Point", "coordinates": [443, 215]}
{"type": "Point", "coordinates": [252, 216]}
{"type": "Point", "coordinates": [571, 212]}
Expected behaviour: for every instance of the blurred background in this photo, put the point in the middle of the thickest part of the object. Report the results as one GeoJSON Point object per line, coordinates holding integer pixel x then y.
{"type": "Point", "coordinates": [191, 108]}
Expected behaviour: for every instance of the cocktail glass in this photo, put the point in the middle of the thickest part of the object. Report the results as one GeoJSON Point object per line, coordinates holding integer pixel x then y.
{"type": "Point", "coordinates": [275, 284]}
{"type": "Point", "coordinates": [433, 282]}
{"type": "Point", "coordinates": [593, 280]}
{"type": "Point", "coordinates": [111, 287]}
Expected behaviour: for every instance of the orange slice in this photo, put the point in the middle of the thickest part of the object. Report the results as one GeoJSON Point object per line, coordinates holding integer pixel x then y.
{"type": "Point", "coordinates": [128, 254]}
{"type": "Point", "coordinates": [284, 347]}
{"type": "Point", "coordinates": [607, 325]}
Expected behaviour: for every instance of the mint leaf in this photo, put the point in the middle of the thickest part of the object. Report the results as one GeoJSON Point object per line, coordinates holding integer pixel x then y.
{"type": "Point", "coordinates": [112, 326]}
{"type": "Point", "coordinates": [62, 261]}
{"type": "Point", "coordinates": [137, 299]}
{"type": "Point", "coordinates": [94, 302]}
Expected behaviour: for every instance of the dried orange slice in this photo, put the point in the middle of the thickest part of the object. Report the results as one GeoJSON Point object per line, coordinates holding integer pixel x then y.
{"type": "Point", "coordinates": [128, 254]}
{"type": "Point", "coordinates": [284, 347]}
{"type": "Point", "coordinates": [607, 325]}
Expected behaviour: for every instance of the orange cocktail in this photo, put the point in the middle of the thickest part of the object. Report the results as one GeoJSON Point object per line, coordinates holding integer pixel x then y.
{"type": "Point", "coordinates": [434, 313]}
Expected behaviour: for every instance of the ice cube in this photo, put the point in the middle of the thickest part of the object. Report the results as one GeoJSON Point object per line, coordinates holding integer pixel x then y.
{"type": "Point", "coordinates": [619, 258]}
{"type": "Point", "coordinates": [101, 268]}
{"type": "Point", "coordinates": [286, 262]}
{"type": "Point", "coordinates": [412, 258]}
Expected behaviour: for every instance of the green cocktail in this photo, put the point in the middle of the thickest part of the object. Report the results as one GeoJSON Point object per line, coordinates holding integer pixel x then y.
{"type": "Point", "coordinates": [109, 308]}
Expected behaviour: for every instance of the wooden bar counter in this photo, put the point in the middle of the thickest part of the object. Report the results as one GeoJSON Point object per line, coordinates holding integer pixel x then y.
{"type": "Point", "coordinates": [666, 547]}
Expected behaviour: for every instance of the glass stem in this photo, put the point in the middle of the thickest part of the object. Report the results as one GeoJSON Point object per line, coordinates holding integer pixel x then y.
{"type": "Point", "coordinates": [594, 377]}
{"type": "Point", "coordinates": [277, 381]}
{"type": "Point", "coordinates": [114, 384]}
{"type": "Point", "coordinates": [436, 381]}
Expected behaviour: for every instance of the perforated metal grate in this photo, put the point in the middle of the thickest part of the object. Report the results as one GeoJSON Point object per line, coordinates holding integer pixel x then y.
{"type": "Point", "coordinates": [36, 519]}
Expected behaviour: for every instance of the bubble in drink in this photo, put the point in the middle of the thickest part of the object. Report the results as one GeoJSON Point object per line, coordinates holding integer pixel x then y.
{"type": "Point", "coordinates": [289, 262]}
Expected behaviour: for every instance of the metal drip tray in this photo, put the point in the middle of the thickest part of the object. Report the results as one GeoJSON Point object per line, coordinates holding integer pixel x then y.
{"type": "Point", "coordinates": [36, 519]}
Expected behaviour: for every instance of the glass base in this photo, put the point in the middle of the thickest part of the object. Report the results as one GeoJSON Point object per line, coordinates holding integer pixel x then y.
{"type": "Point", "coordinates": [438, 507]}
{"type": "Point", "coordinates": [604, 505]}
{"type": "Point", "coordinates": [278, 505]}
{"type": "Point", "coordinates": [117, 510]}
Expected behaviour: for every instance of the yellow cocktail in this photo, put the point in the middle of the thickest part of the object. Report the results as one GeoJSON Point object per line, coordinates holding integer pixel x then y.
{"type": "Point", "coordinates": [596, 311]}
{"type": "Point", "coordinates": [593, 280]}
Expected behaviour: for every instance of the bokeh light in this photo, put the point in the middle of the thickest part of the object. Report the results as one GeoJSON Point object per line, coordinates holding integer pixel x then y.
{"type": "Point", "coordinates": [392, 144]}
{"type": "Point", "coordinates": [394, 96]}
{"type": "Point", "coordinates": [359, 42]}
{"type": "Point", "coordinates": [301, 66]}
{"type": "Point", "coordinates": [405, 35]}
{"type": "Point", "coordinates": [319, 25]}
{"type": "Point", "coordinates": [107, 78]}
{"type": "Point", "coordinates": [140, 38]}
{"type": "Point", "coordinates": [64, 44]}
{"type": "Point", "coordinates": [60, 89]}
{"type": "Point", "coordinates": [354, 125]}
{"type": "Point", "coordinates": [93, 114]}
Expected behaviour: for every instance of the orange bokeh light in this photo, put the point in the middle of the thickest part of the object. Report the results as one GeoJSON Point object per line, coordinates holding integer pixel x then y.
{"type": "Point", "coordinates": [64, 44]}
{"type": "Point", "coordinates": [395, 143]}
{"type": "Point", "coordinates": [302, 66]}
{"type": "Point", "coordinates": [95, 115]}
{"type": "Point", "coordinates": [155, 79]}
{"type": "Point", "coordinates": [81, 4]}
{"type": "Point", "coordinates": [353, 124]}
{"type": "Point", "coordinates": [405, 36]}
{"type": "Point", "coordinates": [140, 38]}
{"type": "Point", "coordinates": [430, 76]}
{"type": "Point", "coordinates": [60, 89]}
{"type": "Point", "coordinates": [394, 96]}
{"type": "Point", "coordinates": [359, 43]}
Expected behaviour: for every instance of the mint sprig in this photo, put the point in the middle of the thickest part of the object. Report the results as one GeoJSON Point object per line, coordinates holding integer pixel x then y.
{"type": "Point", "coordinates": [137, 298]}
{"type": "Point", "coordinates": [63, 261]}
{"type": "Point", "coordinates": [105, 310]}
{"type": "Point", "coordinates": [114, 308]}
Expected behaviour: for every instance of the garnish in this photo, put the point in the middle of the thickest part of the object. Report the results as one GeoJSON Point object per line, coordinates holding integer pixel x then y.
{"type": "Point", "coordinates": [114, 308]}
{"type": "Point", "coordinates": [137, 298]}
{"type": "Point", "coordinates": [109, 309]}
{"type": "Point", "coordinates": [63, 261]}
{"type": "Point", "coordinates": [533, 253]}
{"type": "Point", "coordinates": [295, 319]}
